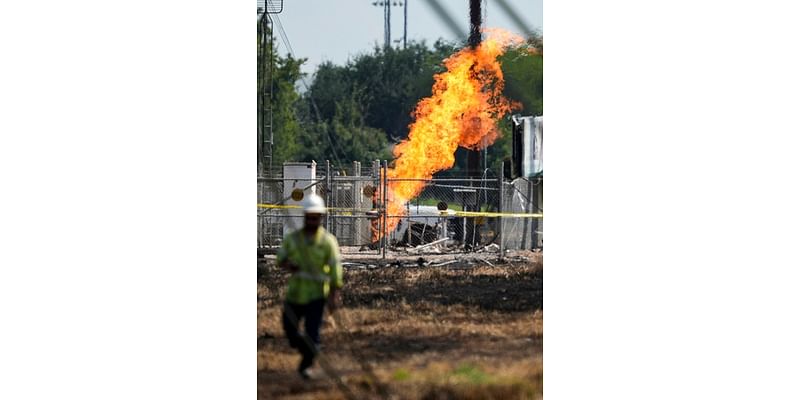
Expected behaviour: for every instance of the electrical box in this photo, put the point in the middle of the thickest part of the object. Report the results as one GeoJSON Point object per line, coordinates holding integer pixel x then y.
{"type": "Point", "coordinates": [301, 176]}
{"type": "Point", "coordinates": [528, 146]}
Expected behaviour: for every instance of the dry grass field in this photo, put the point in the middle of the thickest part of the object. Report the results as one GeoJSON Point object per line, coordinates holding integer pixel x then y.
{"type": "Point", "coordinates": [460, 331]}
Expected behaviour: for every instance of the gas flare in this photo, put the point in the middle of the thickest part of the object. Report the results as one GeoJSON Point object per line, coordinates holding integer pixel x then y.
{"type": "Point", "coordinates": [463, 110]}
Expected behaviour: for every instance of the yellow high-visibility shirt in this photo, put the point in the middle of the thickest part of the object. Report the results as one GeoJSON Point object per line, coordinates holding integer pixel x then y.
{"type": "Point", "coordinates": [319, 262]}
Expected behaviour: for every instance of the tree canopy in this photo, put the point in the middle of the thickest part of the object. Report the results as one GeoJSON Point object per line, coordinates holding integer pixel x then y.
{"type": "Point", "coordinates": [357, 111]}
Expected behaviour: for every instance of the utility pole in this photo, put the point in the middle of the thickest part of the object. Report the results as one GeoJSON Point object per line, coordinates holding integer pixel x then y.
{"type": "Point", "coordinates": [387, 24]}
{"type": "Point", "coordinates": [405, 22]}
{"type": "Point", "coordinates": [265, 71]}
{"type": "Point", "coordinates": [387, 20]}
{"type": "Point", "coordinates": [474, 23]}
{"type": "Point", "coordinates": [473, 156]}
{"type": "Point", "coordinates": [264, 114]}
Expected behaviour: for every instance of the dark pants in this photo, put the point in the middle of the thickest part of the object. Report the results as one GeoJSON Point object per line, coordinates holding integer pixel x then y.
{"type": "Point", "coordinates": [311, 314]}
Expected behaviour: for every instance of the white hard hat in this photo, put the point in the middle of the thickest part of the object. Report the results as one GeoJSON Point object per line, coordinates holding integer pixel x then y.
{"type": "Point", "coordinates": [313, 204]}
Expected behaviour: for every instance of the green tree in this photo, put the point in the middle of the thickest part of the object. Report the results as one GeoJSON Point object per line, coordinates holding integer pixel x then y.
{"type": "Point", "coordinates": [356, 110]}
{"type": "Point", "coordinates": [523, 71]}
{"type": "Point", "coordinates": [277, 101]}
{"type": "Point", "coordinates": [345, 136]}
{"type": "Point", "coordinates": [386, 84]}
{"type": "Point", "coordinates": [286, 125]}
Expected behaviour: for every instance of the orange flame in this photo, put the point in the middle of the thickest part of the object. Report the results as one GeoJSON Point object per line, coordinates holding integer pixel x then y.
{"type": "Point", "coordinates": [463, 110]}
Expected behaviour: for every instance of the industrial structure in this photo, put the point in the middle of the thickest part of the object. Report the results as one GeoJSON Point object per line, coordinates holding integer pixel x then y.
{"type": "Point", "coordinates": [460, 213]}
{"type": "Point", "coordinates": [511, 199]}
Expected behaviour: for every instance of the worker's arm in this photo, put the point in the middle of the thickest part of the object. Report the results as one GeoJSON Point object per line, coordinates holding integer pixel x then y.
{"type": "Point", "coordinates": [334, 299]}
{"type": "Point", "coordinates": [335, 264]}
{"type": "Point", "coordinates": [282, 258]}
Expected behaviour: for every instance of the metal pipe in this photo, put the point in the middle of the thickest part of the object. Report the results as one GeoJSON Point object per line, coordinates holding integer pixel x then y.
{"type": "Point", "coordinates": [474, 23]}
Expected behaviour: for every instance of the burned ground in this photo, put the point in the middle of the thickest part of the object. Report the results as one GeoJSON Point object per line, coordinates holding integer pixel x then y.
{"type": "Point", "coordinates": [457, 331]}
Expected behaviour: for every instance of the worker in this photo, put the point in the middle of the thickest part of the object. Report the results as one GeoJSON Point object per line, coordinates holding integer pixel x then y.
{"type": "Point", "coordinates": [311, 254]}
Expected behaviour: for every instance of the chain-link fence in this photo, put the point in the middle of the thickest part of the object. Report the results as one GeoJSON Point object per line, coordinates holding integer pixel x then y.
{"type": "Point", "coordinates": [451, 211]}
{"type": "Point", "coordinates": [456, 214]}
{"type": "Point", "coordinates": [523, 196]}
{"type": "Point", "coordinates": [270, 225]}
{"type": "Point", "coordinates": [349, 196]}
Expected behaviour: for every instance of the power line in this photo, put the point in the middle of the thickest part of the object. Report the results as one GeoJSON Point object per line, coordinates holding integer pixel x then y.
{"type": "Point", "coordinates": [442, 13]}
{"type": "Point", "coordinates": [286, 41]}
{"type": "Point", "coordinates": [288, 44]}
{"type": "Point", "coordinates": [515, 17]}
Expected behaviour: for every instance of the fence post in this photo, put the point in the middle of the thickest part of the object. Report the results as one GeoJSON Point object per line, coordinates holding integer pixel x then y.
{"type": "Point", "coordinates": [500, 209]}
{"type": "Point", "coordinates": [385, 185]}
{"type": "Point", "coordinates": [355, 202]}
{"type": "Point", "coordinates": [378, 198]}
{"type": "Point", "coordinates": [328, 196]}
{"type": "Point", "coordinates": [258, 213]}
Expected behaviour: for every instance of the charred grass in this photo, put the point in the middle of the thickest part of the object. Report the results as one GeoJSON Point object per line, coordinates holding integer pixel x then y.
{"type": "Point", "coordinates": [416, 333]}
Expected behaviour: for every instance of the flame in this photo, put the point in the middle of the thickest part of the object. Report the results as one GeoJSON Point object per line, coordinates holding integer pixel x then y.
{"type": "Point", "coordinates": [463, 110]}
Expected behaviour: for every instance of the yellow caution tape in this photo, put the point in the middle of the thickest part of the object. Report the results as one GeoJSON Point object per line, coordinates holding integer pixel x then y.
{"type": "Point", "coordinates": [287, 206]}
{"type": "Point", "coordinates": [490, 214]}
{"type": "Point", "coordinates": [277, 206]}
{"type": "Point", "coordinates": [351, 211]}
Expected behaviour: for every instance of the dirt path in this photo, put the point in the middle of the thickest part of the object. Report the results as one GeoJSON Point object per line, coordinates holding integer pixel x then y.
{"type": "Point", "coordinates": [459, 331]}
